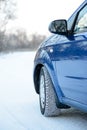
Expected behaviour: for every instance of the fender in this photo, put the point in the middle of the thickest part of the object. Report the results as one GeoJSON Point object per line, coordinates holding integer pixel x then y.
{"type": "Point", "coordinates": [43, 59]}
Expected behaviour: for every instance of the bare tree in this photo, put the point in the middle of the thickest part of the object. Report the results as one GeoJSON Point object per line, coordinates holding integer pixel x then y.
{"type": "Point", "coordinates": [7, 12]}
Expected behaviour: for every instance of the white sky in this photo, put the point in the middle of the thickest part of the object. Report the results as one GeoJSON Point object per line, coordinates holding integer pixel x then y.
{"type": "Point", "coordinates": [35, 15]}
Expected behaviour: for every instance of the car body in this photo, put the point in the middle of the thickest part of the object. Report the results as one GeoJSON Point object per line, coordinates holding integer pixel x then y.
{"type": "Point", "coordinates": [61, 62]}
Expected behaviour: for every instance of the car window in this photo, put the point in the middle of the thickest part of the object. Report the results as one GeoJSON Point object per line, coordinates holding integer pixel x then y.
{"type": "Point", "coordinates": [81, 22]}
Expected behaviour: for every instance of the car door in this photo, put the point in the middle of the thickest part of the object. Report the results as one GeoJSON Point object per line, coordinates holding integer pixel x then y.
{"type": "Point", "coordinates": [71, 60]}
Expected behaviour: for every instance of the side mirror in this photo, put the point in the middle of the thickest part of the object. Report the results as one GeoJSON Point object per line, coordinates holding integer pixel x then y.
{"type": "Point", "coordinates": [58, 27]}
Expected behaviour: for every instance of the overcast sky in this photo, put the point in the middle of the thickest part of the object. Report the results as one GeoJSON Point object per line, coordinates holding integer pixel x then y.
{"type": "Point", "coordinates": [35, 15]}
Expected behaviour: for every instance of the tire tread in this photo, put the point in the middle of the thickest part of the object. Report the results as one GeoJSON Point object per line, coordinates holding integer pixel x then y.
{"type": "Point", "coordinates": [50, 107]}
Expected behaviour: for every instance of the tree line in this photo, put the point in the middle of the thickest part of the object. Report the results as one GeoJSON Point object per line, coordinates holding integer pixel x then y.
{"type": "Point", "coordinates": [20, 41]}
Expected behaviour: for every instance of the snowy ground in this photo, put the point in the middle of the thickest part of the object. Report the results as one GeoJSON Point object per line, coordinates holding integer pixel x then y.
{"type": "Point", "coordinates": [19, 106]}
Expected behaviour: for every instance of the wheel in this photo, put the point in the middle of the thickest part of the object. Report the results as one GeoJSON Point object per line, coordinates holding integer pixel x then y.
{"type": "Point", "coordinates": [47, 95]}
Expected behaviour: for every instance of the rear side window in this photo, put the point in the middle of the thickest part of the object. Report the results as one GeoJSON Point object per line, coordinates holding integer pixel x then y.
{"type": "Point", "coordinates": [81, 22]}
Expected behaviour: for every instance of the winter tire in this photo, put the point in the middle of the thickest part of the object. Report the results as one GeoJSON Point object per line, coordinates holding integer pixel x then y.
{"type": "Point", "coordinates": [47, 95]}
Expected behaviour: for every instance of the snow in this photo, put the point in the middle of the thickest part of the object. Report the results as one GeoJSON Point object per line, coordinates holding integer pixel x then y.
{"type": "Point", "coordinates": [19, 104]}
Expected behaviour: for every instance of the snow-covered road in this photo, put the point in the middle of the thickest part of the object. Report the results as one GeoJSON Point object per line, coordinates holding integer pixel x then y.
{"type": "Point", "coordinates": [19, 105]}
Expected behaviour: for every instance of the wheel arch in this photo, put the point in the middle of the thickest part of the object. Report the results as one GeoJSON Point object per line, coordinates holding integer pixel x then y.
{"type": "Point", "coordinates": [45, 60]}
{"type": "Point", "coordinates": [36, 77]}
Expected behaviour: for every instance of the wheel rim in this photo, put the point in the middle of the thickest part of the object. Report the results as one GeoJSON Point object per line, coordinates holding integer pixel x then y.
{"type": "Point", "coordinates": [42, 92]}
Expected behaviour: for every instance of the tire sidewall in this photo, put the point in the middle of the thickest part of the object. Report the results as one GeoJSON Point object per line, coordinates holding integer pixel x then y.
{"type": "Point", "coordinates": [41, 108]}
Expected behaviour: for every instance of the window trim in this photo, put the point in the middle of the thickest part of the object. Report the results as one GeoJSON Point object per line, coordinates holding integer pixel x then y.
{"type": "Point", "coordinates": [77, 19]}
{"type": "Point", "coordinates": [71, 31]}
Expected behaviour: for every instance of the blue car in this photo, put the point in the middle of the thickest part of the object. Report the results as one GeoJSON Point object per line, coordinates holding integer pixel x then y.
{"type": "Point", "coordinates": [60, 65]}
